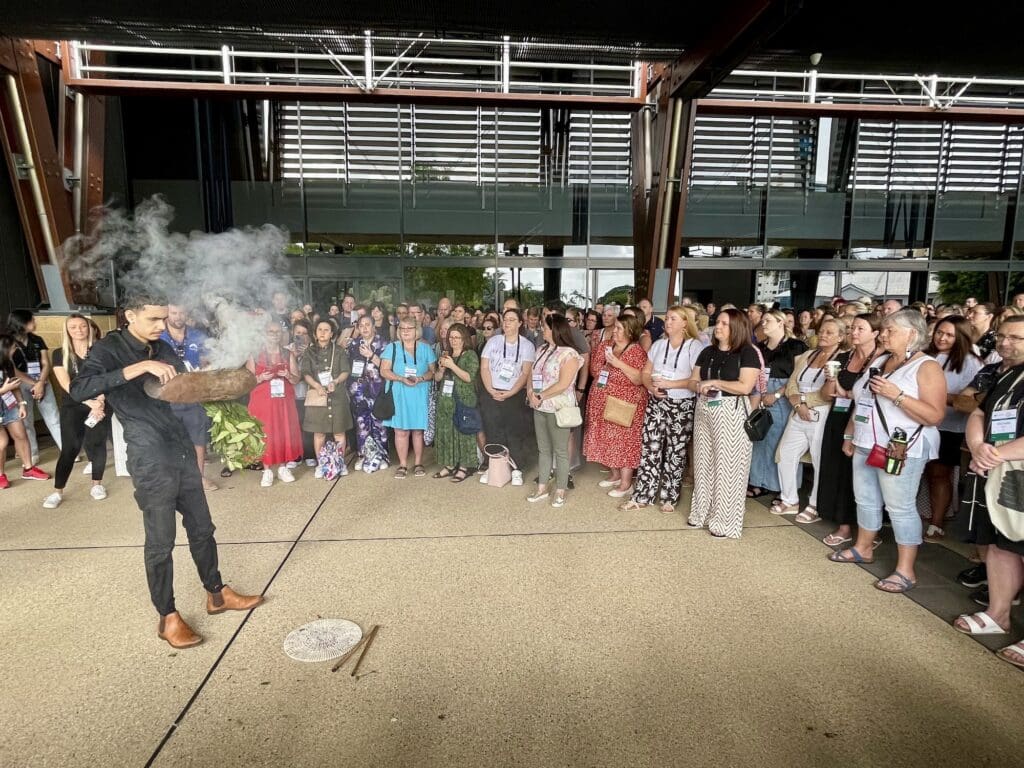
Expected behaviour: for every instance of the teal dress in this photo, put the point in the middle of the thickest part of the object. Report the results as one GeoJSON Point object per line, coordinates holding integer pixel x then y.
{"type": "Point", "coordinates": [453, 448]}
{"type": "Point", "coordinates": [410, 402]}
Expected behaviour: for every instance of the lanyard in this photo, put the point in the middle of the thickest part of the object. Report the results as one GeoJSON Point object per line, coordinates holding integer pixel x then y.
{"type": "Point", "coordinates": [334, 348]}
{"type": "Point", "coordinates": [820, 370]}
{"type": "Point", "coordinates": [405, 357]}
{"type": "Point", "coordinates": [504, 348]}
{"type": "Point", "coordinates": [675, 365]}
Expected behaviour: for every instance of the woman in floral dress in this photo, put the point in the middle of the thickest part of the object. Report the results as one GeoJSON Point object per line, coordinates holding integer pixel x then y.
{"type": "Point", "coordinates": [364, 387]}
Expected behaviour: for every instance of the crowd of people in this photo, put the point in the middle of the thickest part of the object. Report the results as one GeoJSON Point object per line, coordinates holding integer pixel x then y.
{"type": "Point", "coordinates": [892, 409]}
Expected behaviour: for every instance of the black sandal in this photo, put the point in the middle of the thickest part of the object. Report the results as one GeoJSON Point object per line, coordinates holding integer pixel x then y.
{"type": "Point", "coordinates": [460, 474]}
{"type": "Point", "coordinates": [751, 494]}
{"type": "Point", "coordinates": [226, 472]}
{"type": "Point", "coordinates": [444, 472]}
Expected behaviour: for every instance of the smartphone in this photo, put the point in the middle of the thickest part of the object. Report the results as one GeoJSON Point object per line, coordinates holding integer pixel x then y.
{"type": "Point", "coordinates": [873, 371]}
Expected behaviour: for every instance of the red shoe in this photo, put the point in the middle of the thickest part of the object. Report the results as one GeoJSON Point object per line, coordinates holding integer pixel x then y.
{"type": "Point", "coordinates": [34, 473]}
{"type": "Point", "coordinates": [4, 483]}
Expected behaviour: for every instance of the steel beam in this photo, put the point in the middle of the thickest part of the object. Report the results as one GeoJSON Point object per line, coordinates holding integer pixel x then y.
{"type": "Point", "coordinates": [919, 114]}
{"type": "Point", "coordinates": [356, 95]}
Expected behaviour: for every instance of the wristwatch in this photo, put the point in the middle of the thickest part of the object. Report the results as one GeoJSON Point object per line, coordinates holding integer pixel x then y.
{"type": "Point", "coordinates": [803, 399]}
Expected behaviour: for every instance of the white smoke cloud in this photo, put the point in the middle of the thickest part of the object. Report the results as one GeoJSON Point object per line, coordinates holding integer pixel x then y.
{"type": "Point", "coordinates": [225, 280]}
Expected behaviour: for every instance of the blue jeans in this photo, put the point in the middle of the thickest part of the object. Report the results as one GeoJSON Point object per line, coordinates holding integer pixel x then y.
{"type": "Point", "coordinates": [873, 488]}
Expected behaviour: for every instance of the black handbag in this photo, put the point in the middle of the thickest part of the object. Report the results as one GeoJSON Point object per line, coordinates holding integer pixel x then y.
{"type": "Point", "coordinates": [467, 418]}
{"type": "Point", "coordinates": [758, 423]}
{"type": "Point", "coordinates": [384, 407]}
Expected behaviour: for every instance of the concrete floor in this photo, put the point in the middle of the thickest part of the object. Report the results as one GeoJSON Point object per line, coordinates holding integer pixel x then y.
{"type": "Point", "coordinates": [512, 635]}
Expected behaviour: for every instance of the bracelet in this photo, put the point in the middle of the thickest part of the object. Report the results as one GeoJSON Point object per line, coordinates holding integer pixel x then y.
{"type": "Point", "coordinates": [898, 400]}
{"type": "Point", "coordinates": [847, 437]}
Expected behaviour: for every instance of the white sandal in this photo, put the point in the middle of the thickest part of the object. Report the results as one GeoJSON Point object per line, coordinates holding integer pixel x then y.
{"type": "Point", "coordinates": [980, 624]}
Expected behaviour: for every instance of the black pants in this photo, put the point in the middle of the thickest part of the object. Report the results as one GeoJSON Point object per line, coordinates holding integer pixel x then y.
{"type": "Point", "coordinates": [165, 485]}
{"type": "Point", "coordinates": [73, 434]}
{"type": "Point", "coordinates": [510, 423]}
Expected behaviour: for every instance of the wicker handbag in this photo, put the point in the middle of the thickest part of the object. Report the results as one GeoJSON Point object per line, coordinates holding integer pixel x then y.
{"type": "Point", "coordinates": [619, 411]}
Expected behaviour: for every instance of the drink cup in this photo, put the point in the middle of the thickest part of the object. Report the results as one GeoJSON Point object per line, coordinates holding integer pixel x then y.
{"type": "Point", "coordinates": [832, 367]}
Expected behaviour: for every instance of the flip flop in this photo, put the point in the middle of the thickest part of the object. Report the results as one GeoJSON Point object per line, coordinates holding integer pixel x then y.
{"type": "Point", "coordinates": [1017, 648]}
{"type": "Point", "coordinates": [667, 509]}
{"type": "Point", "coordinates": [898, 580]}
{"type": "Point", "coordinates": [835, 540]}
{"type": "Point", "coordinates": [855, 557]}
{"type": "Point", "coordinates": [631, 506]}
{"type": "Point", "coordinates": [979, 624]}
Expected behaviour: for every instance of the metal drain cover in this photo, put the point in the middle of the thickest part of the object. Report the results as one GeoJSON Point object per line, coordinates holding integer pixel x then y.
{"type": "Point", "coordinates": [322, 640]}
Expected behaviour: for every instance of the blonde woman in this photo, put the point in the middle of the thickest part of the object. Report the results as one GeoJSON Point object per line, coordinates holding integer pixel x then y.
{"type": "Point", "coordinates": [668, 417]}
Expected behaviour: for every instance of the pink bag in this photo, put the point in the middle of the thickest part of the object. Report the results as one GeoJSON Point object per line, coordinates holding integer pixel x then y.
{"type": "Point", "coordinates": [499, 465]}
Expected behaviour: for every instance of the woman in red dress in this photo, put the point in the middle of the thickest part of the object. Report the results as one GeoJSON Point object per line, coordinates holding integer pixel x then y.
{"type": "Point", "coordinates": [273, 403]}
{"type": "Point", "coordinates": [619, 375]}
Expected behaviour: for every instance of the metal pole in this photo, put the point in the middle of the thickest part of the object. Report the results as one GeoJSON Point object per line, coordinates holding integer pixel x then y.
{"type": "Point", "coordinates": [368, 59]}
{"type": "Point", "coordinates": [505, 68]}
{"type": "Point", "coordinates": [30, 165]}
{"type": "Point", "coordinates": [225, 64]}
{"type": "Point", "coordinates": [669, 181]}
{"type": "Point", "coordinates": [812, 86]}
{"type": "Point", "coordinates": [76, 189]}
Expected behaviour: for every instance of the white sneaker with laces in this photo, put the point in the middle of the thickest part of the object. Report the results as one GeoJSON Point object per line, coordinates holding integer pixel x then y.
{"type": "Point", "coordinates": [285, 475]}
{"type": "Point", "coordinates": [310, 462]}
{"type": "Point", "coordinates": [98, 492]}
{"type": "Point", "coordinates": [483, 477]}
{"type": "Point", "coordinates": [88, 469]}
{"type": "Point", "coordinates": [343, 470]}
{"type": "Point", "coordinates": [319, 473]}
{"type": "Point", "coordinates": [268, 478]}
{"type": "Point", "coordinates": [517, 477]}
{"type": "Point", "coordinates": [292, 464]}
{"type": "Point", "coordinates": [52, 501]}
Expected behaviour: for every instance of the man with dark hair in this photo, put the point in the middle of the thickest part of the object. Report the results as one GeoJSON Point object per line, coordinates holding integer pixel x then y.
{"type": "Point", "coordinates": [161, 460]}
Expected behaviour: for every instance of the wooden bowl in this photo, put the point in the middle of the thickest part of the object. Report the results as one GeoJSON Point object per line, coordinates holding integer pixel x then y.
{"type": "Point", "coordinates": [203, 386]}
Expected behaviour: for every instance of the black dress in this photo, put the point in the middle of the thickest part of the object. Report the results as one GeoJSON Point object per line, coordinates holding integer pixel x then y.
{"type": "Point", "coordinates": [836, 502]}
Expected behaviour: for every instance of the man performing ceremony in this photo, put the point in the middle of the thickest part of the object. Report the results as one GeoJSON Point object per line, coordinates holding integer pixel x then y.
{"type": "Point", "coordinates": [161, 459]}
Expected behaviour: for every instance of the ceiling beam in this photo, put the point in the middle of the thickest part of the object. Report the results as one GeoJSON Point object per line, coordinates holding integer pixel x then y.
{"type": "Point", "coordinates": [356, 95]}
{"type": "Point", "coordinates": [742, 26]}
{"type": "Point", "coordinates": [991, 115]}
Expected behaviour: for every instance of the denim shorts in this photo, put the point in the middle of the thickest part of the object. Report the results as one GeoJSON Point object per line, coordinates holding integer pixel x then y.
{"type": "Point", "coordinates": [9, 415]}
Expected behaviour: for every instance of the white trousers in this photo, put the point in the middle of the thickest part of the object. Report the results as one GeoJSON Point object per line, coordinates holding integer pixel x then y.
{"type": "Point", "coordinates": [800, 436]}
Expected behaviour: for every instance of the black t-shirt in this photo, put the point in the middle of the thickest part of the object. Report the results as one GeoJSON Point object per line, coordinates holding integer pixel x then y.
{"type": "Point", "coordinates": [720, 364]}
{"type": "Point", "coordinates": [780, 360]}
{"type": "Point", "coordinates": [1007, 391]}
{"type": "Point", "coordinates": [986, 377]}
{"type": "Point", "coordinates": [29, 352]}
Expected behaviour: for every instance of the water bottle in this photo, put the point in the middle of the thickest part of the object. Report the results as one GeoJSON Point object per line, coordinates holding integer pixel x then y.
{"type": "Point", "coordinates": [897, 452]}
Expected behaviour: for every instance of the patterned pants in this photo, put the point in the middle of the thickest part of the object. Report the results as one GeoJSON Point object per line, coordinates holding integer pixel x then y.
{"type": "Point", "coordinates": [721, 465]}
{"type": "Point", "coordinates": [667, 428]}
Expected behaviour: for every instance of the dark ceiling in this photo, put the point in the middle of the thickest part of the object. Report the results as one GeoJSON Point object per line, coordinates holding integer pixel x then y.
{"type": "Point", "coordinates": [979, 38]}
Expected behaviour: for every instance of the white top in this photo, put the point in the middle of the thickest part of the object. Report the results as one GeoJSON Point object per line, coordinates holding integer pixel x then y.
{"type": "Point", "coordinates": [675, 363]}
{"type": "Point", "coordinates": [506, 360]}
{"type": "Point", "coordinates": [867, 426]}
{"type": "Point", "coordinates": [955, 384]}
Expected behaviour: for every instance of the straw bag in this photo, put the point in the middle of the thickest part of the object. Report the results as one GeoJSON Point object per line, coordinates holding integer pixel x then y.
{"type": "Point", "coordinates": [618, 411]}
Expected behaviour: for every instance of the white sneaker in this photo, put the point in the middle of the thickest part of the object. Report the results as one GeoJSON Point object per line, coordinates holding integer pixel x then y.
{"type": "Point", "coordinates": [319, 473]}
{"type": "Point", "coordinates": [310, 462]}
{"type": "Point", "coordinates": [517, 477]}
{"type": "Point", "coordinates": [359, 464]}
{"type": "Point", "coordinates": [343, 470]}
{"type": "Point", "coordinates": [285, 474]}
{"type": "Point", "coordinates": [483, 477]}
{"type": "Point", "coordinates": [292, 464]}
{"type": "Point", "coordinates": [88, 469]}
{"type": "Point", "coordinates": [268, 478]}
{"type": "Point", "coordinates": [98, 492]}
{"type": "Point", "coordinates": [52, 501]}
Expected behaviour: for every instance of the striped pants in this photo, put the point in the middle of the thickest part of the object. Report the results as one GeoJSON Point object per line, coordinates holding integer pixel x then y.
{"type": "Point", "coordinates": [721, 465]}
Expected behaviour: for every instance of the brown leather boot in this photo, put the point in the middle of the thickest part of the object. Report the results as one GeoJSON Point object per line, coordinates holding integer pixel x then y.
{"type": "Point", "coordinates": [229, 600]}
{"type": "Point", "coordinates": [176, 632]}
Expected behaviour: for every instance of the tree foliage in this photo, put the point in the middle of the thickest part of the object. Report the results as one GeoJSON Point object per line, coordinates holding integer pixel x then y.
{"type": "Point", "coordinates": [955, 287]}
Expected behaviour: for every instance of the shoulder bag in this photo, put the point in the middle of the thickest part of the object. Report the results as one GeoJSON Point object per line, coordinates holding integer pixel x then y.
{"type": "Point", "coordinates": [758, 422]}
{"type": "Point", "coordinates": [384, 407]}
{"type": "Point", "coordinates": [1004, 497]}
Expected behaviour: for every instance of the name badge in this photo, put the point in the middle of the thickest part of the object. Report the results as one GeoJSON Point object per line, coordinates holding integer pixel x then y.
{"type": "Point", "coordinates": [358, 366]}
{"type": "Point", "coordinates": [448, 387]}
{"type": "Point", "coordinates": [714, 402]}
{"type": "Point", "coordinates": [410, 372]}
{"type": "Point", "coordinates": [538, 382]}
{"type": "Point", "coordinates": [9, 399]}
{"type": "Point", "coordinates": [277, 387]}
{"type": "Point", "coordinates": [34, 370]}
{"type": "Point", "coordinates": [507, 371]}
{"type": "Point", "coordinates": [842, 404]}
{"type": "Point", "coordinates": [324, 377]}
{"type": "Point", "coordinates": [667, 375]}
{"type": "Point", "coordinates": [768, 373]}
{"type": "Point", "coordinates": [602, 379]}
{"type": "Point", "coordinates": [865, 405]}
{"type": "Point", "coordinates": [1004, 424]}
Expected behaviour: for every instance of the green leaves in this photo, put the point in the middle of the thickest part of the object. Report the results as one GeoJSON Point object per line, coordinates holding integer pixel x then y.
{"type": "Point", "coordinates": [235, 434]}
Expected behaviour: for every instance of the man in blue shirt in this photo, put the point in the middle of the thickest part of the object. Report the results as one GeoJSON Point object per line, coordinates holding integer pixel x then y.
{"type": "Point", "coordinates": [189, 344]}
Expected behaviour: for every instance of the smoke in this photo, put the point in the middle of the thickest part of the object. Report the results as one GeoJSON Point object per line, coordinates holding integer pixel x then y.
{"type": "Point", "coordinates": [225, 280]}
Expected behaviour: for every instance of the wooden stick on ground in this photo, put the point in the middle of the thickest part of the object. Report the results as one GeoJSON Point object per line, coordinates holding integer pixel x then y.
{"type": "Point", "coordinates": [349, 654]}
{"type": "Point", "coordinates": [366, 647]}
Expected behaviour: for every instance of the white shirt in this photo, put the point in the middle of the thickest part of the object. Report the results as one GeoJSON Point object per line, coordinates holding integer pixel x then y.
{"type": "Point", "coordinates": [955, 383]}
{"type": "Point", "coordinates": [675, 363]}
{"type": "Point", "coordinates": [867, 426]}
{"type": "Point", "coordinates": [505, 360]}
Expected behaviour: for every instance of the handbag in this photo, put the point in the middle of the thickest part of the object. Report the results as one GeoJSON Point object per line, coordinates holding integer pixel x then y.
{"type": "Point", "coordinates": [499, 465]}
{"type": "Point", "coordinates": [1004, 497]}
{"type": "Point", "coordinates": [568, 417]}
{"type": "Point", "coordinates": [315, 399]}
{"type": "Point", "coordinates": [758, 423]}
{"type": "Point", "coordinates": [384, 406]}
{"type": "Point", "coordinates": [467, 418]}
{"type": "Point", "coordinates": [617, 411]}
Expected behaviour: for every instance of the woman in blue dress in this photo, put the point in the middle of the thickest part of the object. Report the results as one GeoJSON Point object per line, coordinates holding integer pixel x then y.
{"type": "Point", "coordinates": [408, 366]}
{"type": "Point", "coordinates": [364, 387]}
